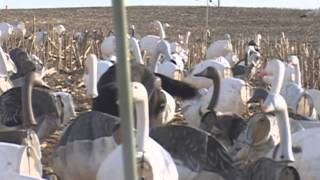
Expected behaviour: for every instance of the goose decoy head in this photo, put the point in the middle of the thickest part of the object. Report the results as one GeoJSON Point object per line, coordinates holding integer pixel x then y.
{"type": "Point", "coordinates": [209, 72]}
{"type": "Point", "coordinates": [156, 23]}
{"type": "Point", "coordinates": [252, 43]}
{"type": "Point", "coordinates": [166, 25]}
{"type": "Point", "coordinates": [212, 73]}
{"type": "Point", "coordinates": [132, 30]}
{"type": "Point", "coordinates": [164, 47]}
{"type": "Point", "coordinates": [273, 74]}
{"type": "Point", "coordinates": [227, 36]}
{"type": "Point", "coordinates": [293, 60]}
{"type": "Point", "coordinates": [139, 92]}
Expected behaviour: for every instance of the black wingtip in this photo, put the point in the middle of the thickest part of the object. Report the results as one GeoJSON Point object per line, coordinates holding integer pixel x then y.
{"type": "Point", "coordinates": [178, 88]}
{"type": "Point", "coordinates": [258, 95]}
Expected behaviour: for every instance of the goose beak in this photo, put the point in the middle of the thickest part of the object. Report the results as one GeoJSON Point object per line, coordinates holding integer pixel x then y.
{"type": "Point", "coordinates": [261, 74]}
{"type": "Point", "coordinates": [39, 81]}
{"type": "Point", "coordinates": [266, 109]}
{"type": "Point", "coordinates": [201, 74]}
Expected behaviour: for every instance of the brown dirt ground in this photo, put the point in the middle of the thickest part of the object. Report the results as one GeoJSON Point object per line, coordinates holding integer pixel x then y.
{"type": "Point", "coordinates": [236, 21]}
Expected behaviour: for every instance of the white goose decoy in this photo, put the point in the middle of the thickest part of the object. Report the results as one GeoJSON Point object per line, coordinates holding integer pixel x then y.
{"type": "Point", "coordinates": [154, 161]}
{"type": "Point", "coordinates": [293, 73]}
{"type": "Point", "coordinates": [225, 127]}
{"type": "Point", "coordinates": [20, 29]}
{"type": "Point", "coordinates": [295, 94]}
{"type": "Point", "coordinates": [149, 42]}
{"type": "Point", "coordinates": [6, 31]}
{"type": "Point", "coordinates": [232, 58]}
{"type": "Point", "coordinates": [168, 65]}
{"type": "Point", "coordinates": [305, 152]}
{"type": "Point", "coordinates": [59, 29]}
{"type": "Point", "coordinates": [220, 48]}
{"type": "Point", "coordinates": [233, 96]}
{"type": "Point", "coordinates": [108, 47]}
{"type": "Point", "coordinates": [220, 63]}
{"type": "Point", "coordinates": [7, 68]}
{"type": "Point", "coordinates": [275, 103]}
{"type": "Point", "coordinates": [247, 66]}
{"type": "Point", "coordinates": [39, 38]}
{"type": "Point", "coordinates": [303, 142]}
{"type": "Point", "coordinates": [257, 39]}
{"type": "Point", "coordinates": [180, 50]}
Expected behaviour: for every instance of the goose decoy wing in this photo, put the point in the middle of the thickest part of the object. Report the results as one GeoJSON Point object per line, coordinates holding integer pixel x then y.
{"type": "Point", "coordinates": [44, 102]}
{"type": "Point", "coordinates": [89, 126]}
{"type": "Point", "coordinates": [195, 148]}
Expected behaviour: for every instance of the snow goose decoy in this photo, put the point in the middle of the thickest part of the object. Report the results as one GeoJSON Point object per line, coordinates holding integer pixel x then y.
{"type": "Point", "coordinates": [219, 48]}
{"type": "Point", "coordinates": [220, 63]}
{"type": "Point", "coordinates": [248, 66]}
{"type": "Point", "coordinates": [168, 65]}
{"type": "Point", "coordinates": [275, 103]}
{"type": "Point", "coordinates": [7, 68]}
{"type": "Point", "coordinates": [154, 162]}
{"type": "Point", "coordinates": [108, 46]}
{"type": "Point", "coordinates": [20, 148]}
{"type": "Point", "coordinates": [6, 31]}
{"type": "Point", "coordinates": [149, 42]}
{"type": "Point", "coordinates": [232, 98]}
{"type": "Point", "coordinates": [225, 127]}
{"type": "Point", "coordinates": [301, 101]}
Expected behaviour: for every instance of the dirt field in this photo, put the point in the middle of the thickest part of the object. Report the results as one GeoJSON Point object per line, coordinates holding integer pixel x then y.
{"type": "Point", "coordinates": [236, 21]}
{"type": "Point", "coordinates": [239, 22]}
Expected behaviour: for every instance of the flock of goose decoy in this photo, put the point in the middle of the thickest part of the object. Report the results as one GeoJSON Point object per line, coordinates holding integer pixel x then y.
{"type": "Point", "coordinates": [218, 138]}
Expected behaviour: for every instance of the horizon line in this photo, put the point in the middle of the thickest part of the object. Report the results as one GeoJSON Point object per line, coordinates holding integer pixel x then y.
{"type": "Point", "coordinates": [107, 6]}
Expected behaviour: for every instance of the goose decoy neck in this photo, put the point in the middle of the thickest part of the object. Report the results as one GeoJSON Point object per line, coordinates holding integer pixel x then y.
{"type": "Point", "coordinates": [163, 47]}
{"type": "Point", "coordinates": [140, 100]}
{"type": "Point", "coordinates": [276, 103]}
{"type": "Point", "coordinates": [91, 65]}
{"type": "Point", "coordinates": [275, 72]}
{"type": "Point", "coordinates": [30, 80]}
{"type": "Point", "coordinates": [161, 29]}
{"type": "Point", "coordinates": [135, 48]}
{"type": "Point", "coordinates": [213, 74]}
{"type": "Point", "coordinates": [132, 32]}
{"type": "Point", "coordinates": [297, 74]}
{"type": "Point", "coordinates": [187, 38]}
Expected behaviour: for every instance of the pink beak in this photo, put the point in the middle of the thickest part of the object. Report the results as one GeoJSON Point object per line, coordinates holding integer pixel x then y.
{"type": "Point", "coordinates": [261, 74]}
{"type": "Point", "coordinates": [266, 109]}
